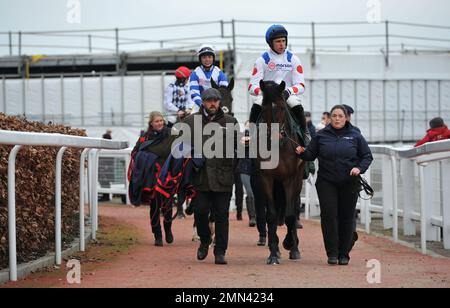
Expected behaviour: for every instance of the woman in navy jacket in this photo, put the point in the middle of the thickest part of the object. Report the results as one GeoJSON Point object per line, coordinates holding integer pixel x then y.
{"type": "Point", "coordinates": [343, 155]}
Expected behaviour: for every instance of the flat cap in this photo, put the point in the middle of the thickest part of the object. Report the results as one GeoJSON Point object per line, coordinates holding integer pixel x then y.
{"type": "Point", "coordinates": [211, 94]}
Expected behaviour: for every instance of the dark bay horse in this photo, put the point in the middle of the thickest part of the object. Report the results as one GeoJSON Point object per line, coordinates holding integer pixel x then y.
{"type": "Point", "coordinates": [227, 98]}
{"type": "Point", "coordinates": [282, 184]}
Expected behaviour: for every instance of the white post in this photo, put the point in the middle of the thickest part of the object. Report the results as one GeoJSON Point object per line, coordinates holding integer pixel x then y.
{"type": "Point", "coordinates": [429, 183]}
{"type": "Point", "coordinates": [446, 202]}
{"type": "Point", "coordinates": [58, 259]}
{"type": "Point", "coordinates": [127, 185]}
{"type": "Point", "coordinates": [96, 189]}
{"type": "Point", "coordinates": [314, 206]}
{"type": "Point", "coordinates": [408, 179]}
{"type": "Point", "coordinates": [94, 197]}
{"type": "Point", "coordinates": [423, 221]}
{"type": "Point", "coordinates": [367, 204]}
{"type": "Point", "coordinates": [91, 164]}
{"type": "Point", "coordinates": [82, 162]}
{"type": "Point", "coordinates": [12, 213]}
{"type": "Point", "coordinates": [388, 186]}
{"type": "Point", "coordinates": [307, 198]}
{"type": "Point", "coordinates": [394, 198]}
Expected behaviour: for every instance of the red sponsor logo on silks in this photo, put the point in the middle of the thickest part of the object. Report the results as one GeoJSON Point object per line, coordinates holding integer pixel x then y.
{"type": "Point", "coordinates": [272, 66]}
{"type": "Point", "coordinates": [257, 91]}
{"type": "Point", "coordinates": [255, 71]}
{"type": "Point", "coordinates": [300, 69]}
{"type": "Point", "coordinates": [295, 89]}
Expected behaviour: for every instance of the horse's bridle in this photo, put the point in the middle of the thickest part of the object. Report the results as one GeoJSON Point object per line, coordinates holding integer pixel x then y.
{"type": "Point", "coordinates": [284, 134]}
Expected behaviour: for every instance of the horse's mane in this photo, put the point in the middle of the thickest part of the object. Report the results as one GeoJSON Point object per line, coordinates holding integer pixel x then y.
{"type": "Point", "coordinates": [276, 110]}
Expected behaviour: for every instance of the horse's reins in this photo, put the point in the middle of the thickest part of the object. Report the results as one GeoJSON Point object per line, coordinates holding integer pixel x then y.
{"type": "Point", "coordinates": [365, 187]}
{"type": "Point", "coordinates": [285, 135]}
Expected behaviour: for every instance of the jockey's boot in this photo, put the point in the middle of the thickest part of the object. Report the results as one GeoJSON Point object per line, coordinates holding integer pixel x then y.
{"type": "Point", "coordinates": [299, 114]}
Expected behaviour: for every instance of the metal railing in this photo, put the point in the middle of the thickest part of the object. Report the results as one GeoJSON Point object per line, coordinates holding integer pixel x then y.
{"type": "Point", "coordinates": [20, 139]}
{"type": "Point", "coordinates": [114, 173]}
{"type": "Point", "coordinates": [413, 184]}
{"type": "Point", "coordinates": [386, 37]}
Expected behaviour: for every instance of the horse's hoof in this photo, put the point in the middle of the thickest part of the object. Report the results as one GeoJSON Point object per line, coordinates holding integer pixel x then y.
{"type": "Point", "coordinates": [294, 255]}
{"type": "Point", "coordinates": [273, 261]}
{"type": "Point", "coordinates": [287, 244]}
{"type": "Point", "coordinates": [278, 254]}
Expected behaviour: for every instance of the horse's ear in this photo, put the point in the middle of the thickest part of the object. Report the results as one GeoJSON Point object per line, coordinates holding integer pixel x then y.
{"type": "Point", "coordinates": [214, 84]}
{"type": "Point", "coordinates": [231, 85]}
{"type": "Point", "coordinates": [282, 86]}
{"type": "Point", "coordinates": [261, 85]}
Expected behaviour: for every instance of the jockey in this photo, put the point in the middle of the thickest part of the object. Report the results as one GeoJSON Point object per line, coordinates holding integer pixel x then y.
{"type": "Point", "coordinates": [177, 99]}
{"type": "Point", "coordinates": [278, 64]}
{"type": "Point", "coordinates": [201, 77]}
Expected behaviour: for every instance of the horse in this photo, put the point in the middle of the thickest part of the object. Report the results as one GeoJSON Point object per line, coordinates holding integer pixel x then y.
{"type": "Point", "coordinates": [282, 184]}
{"type": "Point", "coordinates": [227, 97]}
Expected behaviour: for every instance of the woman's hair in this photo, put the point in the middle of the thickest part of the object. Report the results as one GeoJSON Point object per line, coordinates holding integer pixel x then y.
{"type": "Point", "coordinates": [153, 115]}
{"type": "Point", "coordinates": [344, 110]}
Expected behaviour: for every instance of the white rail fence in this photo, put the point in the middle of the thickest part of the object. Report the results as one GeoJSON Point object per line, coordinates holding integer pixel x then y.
{"type": "Point", "coordinates": [413, 184]}
{"type": "Point", "coordinates": [113, 167]}
{"type": "Point", "coordinates": [90, 145]}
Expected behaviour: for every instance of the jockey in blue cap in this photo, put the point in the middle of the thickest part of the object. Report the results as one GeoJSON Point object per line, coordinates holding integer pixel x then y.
{"type": "Point", "coordinates": [279, 64]}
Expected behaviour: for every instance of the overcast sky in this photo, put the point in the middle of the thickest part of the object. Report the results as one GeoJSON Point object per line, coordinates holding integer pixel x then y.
{"type": "Point", "coordinates": [40, 15]}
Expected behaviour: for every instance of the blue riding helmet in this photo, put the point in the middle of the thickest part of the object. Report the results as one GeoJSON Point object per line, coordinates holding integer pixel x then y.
{"type": "Point", "coordinates": [275, 31]}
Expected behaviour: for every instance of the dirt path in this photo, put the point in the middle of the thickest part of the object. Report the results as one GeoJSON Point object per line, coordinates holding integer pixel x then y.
{"type": "Point", "coordinates": [137, 263]}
